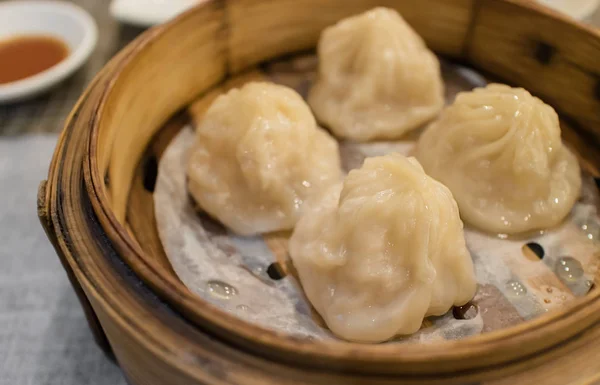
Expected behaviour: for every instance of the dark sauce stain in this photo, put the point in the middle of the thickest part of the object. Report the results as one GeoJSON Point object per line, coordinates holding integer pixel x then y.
{"type": "Point", "coordinates": [544, 53]}
{"type": "Point", "coordinates": [150, 173]}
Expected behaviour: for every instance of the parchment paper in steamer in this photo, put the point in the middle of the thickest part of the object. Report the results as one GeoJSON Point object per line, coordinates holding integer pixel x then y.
{"type": "Point", "coordinates": [230, 271]}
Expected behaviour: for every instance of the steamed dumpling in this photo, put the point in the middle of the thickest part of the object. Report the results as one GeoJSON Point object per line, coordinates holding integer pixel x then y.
{"type": "Point", "coordinates": [498, 149]}
{"type": "Point", "coordinates": [258, 156]}
{"type": "Point", "coordinates": [382, 251]}
{"type": "Point", "coordinates": [376, 79]}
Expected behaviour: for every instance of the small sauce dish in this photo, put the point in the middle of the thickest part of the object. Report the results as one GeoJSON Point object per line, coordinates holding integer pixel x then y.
{"type": "Point", "coordinates": [41, 44]}
{"type": "Point", "coordinates": [146, 13]}
{"type": "Point", "coordinates": [580, 10]}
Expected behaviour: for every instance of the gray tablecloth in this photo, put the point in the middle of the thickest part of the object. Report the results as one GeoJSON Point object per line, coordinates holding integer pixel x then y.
{"type": "Point", "coordinates": [44, 337]}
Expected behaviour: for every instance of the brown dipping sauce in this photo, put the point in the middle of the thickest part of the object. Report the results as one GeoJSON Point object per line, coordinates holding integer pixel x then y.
{"type": "Point", "coordinates": [25, 56]}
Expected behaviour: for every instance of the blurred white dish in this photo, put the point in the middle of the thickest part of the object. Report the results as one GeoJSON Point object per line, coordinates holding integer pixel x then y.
{"type": "Point", "coordinates": [61, 20]}
{"type": "Point", "coordinates": [146, 13]}
{"type": "Point", "coordinates": [577, 9]}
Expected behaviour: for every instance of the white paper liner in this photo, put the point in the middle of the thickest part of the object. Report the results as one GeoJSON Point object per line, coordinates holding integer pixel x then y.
{"type": "Point", "coordinates": [229, 271]}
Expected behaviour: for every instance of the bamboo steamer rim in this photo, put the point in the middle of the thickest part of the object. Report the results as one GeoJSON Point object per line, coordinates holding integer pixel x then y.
{"type": "Point", "coordinates": [487, 349]}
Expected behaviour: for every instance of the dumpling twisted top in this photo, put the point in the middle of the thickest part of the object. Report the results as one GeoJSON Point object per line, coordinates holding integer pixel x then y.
{"type": "Point", "coordinates": [499, 151]}
{"type": "Point", "coordinates": [258, 156]}
{"type": "Point", "coordinates": [377, 79]}
{"type": "Point", "coordinates": [382, 251]}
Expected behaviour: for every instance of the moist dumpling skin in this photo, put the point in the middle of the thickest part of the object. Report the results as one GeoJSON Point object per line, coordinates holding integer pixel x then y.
{"type": "Point", "coordinates": [376, 78]}
{"type": "Point", "coordinates": [499, 150]}
{"type": "Point", "coordinates": [258, 156]}
{"type": "Point", "coordinates": [382, 251]}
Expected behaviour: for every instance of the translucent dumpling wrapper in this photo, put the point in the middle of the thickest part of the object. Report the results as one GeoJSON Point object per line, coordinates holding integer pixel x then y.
{"type": "Point", "coordinates": [258, 156]}
{"type": "Point", "coordinates": [499, 150]}
{"type": "Point", "coordinates": [376, 78]}
{"type": "Point", "coordinates": [382, 251]}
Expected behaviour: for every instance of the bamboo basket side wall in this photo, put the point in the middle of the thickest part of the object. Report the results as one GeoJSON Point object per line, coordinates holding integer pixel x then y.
{"type": "Point", "coordinates": [157, 79]}
{"type": "Point", "coordinates": [288, 26]}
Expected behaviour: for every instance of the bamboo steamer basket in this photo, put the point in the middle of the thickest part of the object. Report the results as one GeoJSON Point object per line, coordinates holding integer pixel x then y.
{"type": "Point", "coordinates": [100, 218]}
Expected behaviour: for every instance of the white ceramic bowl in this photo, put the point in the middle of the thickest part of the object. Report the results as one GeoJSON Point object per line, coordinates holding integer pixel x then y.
{"type": "Point", "coordinates": [145, 13]}
{"type": "Point", "coordinates": [58, 19]}
{"type": "Point", "coordinates": [577, 9]}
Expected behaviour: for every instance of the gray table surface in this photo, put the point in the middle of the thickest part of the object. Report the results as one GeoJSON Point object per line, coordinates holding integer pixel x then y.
{"type": "Point", "coordinates": [44, 338]}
